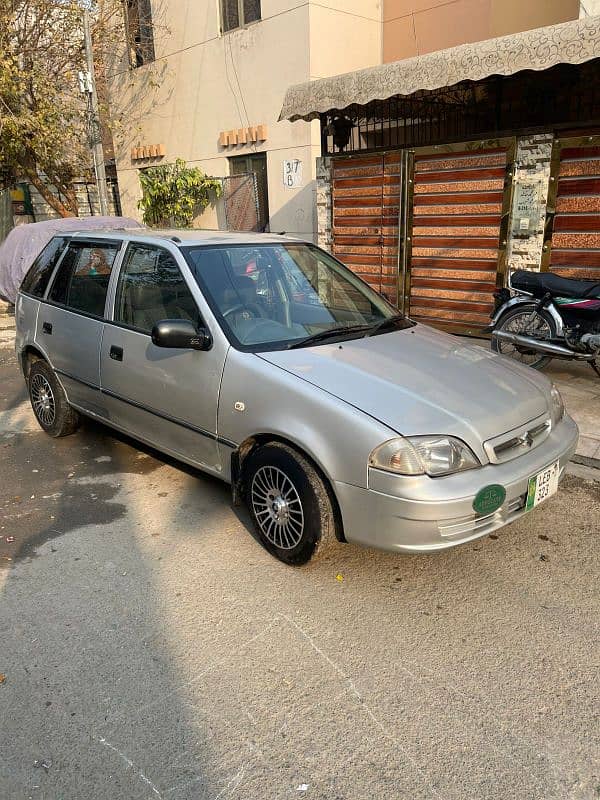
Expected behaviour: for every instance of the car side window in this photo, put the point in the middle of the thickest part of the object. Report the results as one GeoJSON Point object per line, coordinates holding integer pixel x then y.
{"type": "Point", "coordinates": [150, 288]}
{"type": "Point", "coordinates": [38, 277]}
{"type": "Point", "coordinates": [82, 279]}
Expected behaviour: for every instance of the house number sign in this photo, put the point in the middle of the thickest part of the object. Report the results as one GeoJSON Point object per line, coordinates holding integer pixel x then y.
{"type": "Point", "coordinates": [527, 207]}
{"type": "Point", "coordinates": [292, 173]}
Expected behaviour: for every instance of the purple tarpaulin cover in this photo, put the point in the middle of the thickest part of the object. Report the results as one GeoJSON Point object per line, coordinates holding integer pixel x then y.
{"type": "Point", "coordinates": [25, 242]}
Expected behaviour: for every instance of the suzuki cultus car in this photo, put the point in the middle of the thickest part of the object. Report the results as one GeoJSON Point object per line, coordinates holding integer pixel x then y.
{"type": "Point", "coordinates": [264, 361]}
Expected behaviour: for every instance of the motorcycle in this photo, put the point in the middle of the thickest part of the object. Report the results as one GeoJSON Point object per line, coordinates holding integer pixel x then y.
{"type": "Point", "coordinates": [541, 316]}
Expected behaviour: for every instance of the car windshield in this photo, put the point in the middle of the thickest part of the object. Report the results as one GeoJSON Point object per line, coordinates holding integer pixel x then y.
{"type": "Point", "coordinates": [273, 296]}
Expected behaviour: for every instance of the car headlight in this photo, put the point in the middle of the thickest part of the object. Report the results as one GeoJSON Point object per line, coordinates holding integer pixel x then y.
{"type": "Point", "coordinates": [423, 455]}
{"type": "Point", "coordinates": [557, 406]}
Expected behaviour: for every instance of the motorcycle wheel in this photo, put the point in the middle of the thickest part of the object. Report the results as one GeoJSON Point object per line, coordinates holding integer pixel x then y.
{"type": "Point", "coordinates": [519, 320]}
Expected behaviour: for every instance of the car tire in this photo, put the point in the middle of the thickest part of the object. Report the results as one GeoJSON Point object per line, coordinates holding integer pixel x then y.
{"type": "Point", "coordinates": [509, 317]}
{"type": "Point", "coordinates": [290, 504]}
{"type": "Point", "coordinates": [49, 401]}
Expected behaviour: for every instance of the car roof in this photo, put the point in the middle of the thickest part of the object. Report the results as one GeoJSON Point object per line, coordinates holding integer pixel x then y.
{"type": "Point", "coordinates": [188, 237]}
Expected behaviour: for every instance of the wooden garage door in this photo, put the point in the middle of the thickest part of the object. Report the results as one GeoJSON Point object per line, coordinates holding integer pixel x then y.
{"type": "Point", "coordinates": [366, 192]}
{"type": "Point", "coordinates": [575, 251]}
{"type": "Point", "coordinates": [455, 237]}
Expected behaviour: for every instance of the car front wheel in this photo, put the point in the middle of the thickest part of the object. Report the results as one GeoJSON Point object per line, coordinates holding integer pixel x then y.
{"type": "Point", "coordinates": [289, 503]}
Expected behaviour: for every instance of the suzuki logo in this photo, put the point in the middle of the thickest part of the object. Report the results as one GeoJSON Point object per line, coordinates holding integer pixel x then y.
{"type": "Point", "coordinates": [526, 440]}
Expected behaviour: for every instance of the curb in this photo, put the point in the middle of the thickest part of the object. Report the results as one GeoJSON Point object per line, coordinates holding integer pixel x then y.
{"type": "Point", "coordinates": [586, 461]}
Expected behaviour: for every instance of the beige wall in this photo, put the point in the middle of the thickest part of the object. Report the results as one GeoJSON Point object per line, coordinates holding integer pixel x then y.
{"type": "Point", "coordinates": [345, 35]}
{"type": "Point", "coordinates": [203, 82]}
{"type": "Point", "coordinates": [414, 27]}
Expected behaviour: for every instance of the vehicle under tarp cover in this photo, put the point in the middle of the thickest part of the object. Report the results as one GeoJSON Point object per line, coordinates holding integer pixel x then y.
{"type": "Point", "coordinates": [24, 243]}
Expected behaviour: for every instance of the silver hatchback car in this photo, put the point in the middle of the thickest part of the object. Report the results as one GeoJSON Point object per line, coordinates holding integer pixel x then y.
{"type": "Point", "coordinates": [264, 361]}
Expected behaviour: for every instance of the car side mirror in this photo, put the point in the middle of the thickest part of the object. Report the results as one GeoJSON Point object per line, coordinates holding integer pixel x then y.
{"type": "Point", "coordinates": [181, 334]}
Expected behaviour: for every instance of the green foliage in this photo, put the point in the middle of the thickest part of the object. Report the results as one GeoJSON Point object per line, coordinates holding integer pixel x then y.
{"type": "Point", "coordinates": [173, 194]}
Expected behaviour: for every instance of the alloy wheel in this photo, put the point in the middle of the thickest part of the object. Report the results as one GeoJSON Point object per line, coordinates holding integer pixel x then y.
{"type": "Point", "coordinates": [277, 507]}
{"type": "Point", "coordinates": [42, 399]}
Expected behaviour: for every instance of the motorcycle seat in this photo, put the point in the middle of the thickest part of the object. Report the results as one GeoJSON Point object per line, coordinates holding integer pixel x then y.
{"type": "Point", "coordinates": [540, 283]}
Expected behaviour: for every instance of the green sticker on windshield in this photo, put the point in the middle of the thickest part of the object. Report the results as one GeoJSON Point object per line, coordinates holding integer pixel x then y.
{"type": "Point", "coordinates": [489, 499]}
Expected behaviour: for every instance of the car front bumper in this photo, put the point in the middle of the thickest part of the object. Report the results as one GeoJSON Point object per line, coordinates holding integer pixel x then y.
{"type": "Point", "coordinates": [421, 514]}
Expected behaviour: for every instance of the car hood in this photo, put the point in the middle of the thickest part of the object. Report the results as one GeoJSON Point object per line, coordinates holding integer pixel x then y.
{"type": "Point", "coordinates": [422, 381]}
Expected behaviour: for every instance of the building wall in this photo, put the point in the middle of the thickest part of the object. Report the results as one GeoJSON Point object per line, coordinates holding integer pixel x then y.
{"type": "Point", "coordinates": [414, 27]}
{"type": "Point", "coordinates": [204, 82]}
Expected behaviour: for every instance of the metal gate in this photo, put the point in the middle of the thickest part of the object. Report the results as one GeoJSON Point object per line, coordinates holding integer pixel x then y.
{"type": "Point", "coordinates": [458, 208]}
{"type": "Point", "coordinates": [366, 192]}
{"type": "Point", "coordinates": [572, 242]}
{"type": "Point", "coordinates": [240, 200]}
{"type": "Point", "coordinates": [427, 227]}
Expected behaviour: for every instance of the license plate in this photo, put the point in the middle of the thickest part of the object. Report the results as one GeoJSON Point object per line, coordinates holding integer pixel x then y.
{"type": "Point", "coordinates": [542, 485]}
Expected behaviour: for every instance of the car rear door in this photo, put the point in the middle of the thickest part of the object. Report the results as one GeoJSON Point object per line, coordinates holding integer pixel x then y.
{"type": "Point", "coordinates": [166, 397]}
{"type": "Point", "coordinates": [70, 319]}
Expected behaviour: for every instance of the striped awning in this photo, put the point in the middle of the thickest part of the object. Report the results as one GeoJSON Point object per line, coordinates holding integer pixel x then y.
{"type": "Point", "coordinates": [569, 43]}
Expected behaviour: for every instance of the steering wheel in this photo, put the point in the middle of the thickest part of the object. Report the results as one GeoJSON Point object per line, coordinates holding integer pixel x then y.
{"type": "Point", "coordinates": [251, 307]}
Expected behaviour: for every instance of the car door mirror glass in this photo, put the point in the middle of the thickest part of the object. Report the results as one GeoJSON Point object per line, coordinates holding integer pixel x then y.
{"type": "Point", "coordinates": [180, 334]}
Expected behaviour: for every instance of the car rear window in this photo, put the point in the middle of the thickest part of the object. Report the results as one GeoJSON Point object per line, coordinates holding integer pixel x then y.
{"type": "Point", "coordinates": [81, 282]}
{"type": "Point", "coordinates": [36, 280]}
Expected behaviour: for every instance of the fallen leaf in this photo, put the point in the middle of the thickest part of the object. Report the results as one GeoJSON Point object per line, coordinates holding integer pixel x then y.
{"type": "Point", "coordinates": [339, 577]}
{"type": "Point", "coordinates": [2, 678]}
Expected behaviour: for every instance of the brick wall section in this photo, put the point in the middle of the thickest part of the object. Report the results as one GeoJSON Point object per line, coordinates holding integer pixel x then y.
{"type": "Point", "coordinates": [324, 203]}
{"type": "Point", "coordinates": [532, 160]}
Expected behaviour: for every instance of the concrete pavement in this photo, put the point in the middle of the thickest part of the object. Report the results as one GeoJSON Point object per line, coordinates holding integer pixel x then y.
{"type": "Point", "coordinates": [152, 649]}
{"type": "Point", "coordinates": [580, 388]}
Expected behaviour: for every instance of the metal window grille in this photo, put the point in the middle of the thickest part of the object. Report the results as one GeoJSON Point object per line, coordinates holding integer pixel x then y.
{"type": "Point", "coordinates": [240, 199]}
{"type": "Point", "coordinates": [566, 95]}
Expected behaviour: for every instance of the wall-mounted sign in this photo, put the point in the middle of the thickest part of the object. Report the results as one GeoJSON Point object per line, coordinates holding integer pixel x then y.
{"type": "Point", "coordinates": [528, 201]}
{"type": "Point", "coordinates": [292, 173]}
{"type": "Point", "coordinates": [253, 133]}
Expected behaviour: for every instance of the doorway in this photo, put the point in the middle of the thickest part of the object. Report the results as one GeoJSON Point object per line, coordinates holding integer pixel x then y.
{"type": "Point", "coordinates": [256, 163]}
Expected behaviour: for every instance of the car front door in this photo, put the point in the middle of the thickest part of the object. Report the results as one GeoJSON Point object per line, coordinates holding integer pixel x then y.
{"type": "Point", "coordinates": [166, 397]}
{"type": "Point", "coordinates": [69, 322]}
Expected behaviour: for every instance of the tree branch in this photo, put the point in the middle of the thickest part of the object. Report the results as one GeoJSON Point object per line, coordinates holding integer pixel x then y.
{"type": "Point", "coordinates": [48, 196]}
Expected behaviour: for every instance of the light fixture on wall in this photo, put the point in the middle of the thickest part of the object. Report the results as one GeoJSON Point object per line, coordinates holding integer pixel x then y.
{"type": "Point", "coordinates": [340, 128]}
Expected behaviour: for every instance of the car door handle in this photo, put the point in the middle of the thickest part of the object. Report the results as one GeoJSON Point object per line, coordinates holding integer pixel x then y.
{"type": "Point", "coordinates": [116, 353]}
{"type": "Point", "coordinates": [47, 328]}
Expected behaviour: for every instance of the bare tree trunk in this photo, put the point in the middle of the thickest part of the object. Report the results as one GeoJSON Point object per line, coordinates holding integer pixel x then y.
{"type": "Point", "coordinates": [49, 196]}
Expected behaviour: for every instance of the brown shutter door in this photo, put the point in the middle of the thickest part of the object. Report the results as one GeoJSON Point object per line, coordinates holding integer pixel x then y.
{"type": "Point", "coordinates": [576, 234]}
{"type": "Point", "coordinates": [455, 237]}
{"type": "Point", "coordinates": [365, 218]}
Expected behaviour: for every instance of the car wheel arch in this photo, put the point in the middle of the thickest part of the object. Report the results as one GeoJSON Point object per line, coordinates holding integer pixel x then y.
{"type": "Point", "coordinates": [240, 457]}
{"type": "Point", "coordinates": [29, 355]}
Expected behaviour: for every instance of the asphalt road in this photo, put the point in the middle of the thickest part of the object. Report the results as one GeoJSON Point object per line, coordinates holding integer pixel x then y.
{"type": "Point", "coordinates": [152, 649]}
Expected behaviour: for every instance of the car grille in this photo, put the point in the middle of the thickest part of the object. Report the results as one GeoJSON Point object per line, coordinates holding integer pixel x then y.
{"type": "Point", "coordinates": [476, 524]}
{"type": "Point", "coordinates": [518, 441]}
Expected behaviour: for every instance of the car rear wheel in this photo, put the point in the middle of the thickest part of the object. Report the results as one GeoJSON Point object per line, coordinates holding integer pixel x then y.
{"type": "Point", "coordinates": [525, 320]}
{"type": "Point", "coordinates": [49, 401]}
{"type": "Point", "coordinates": [289, 503]}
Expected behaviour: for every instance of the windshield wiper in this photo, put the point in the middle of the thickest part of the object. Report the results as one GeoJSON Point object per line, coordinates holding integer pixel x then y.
{"type": "Point", "coordinates": [389, 324]}
{"type": "Point", "coordinates": [329, 333]}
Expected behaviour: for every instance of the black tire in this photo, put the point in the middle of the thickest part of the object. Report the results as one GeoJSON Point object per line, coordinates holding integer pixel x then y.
{"type": "Point", "coordinates": [510, 321]}
{"type": "Point", "coordinates": [280, 481]}
{"type": "Point", "coordinates": [49, 402]}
